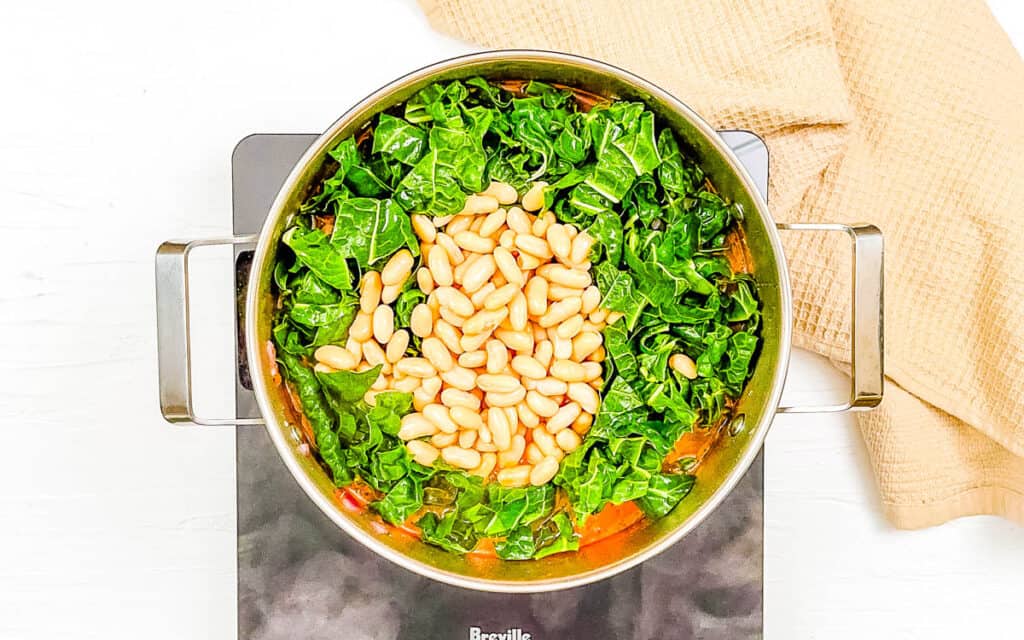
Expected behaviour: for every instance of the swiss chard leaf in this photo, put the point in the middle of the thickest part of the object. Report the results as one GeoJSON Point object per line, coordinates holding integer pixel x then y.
{"type": "Point", "coordinates": [371, 230]}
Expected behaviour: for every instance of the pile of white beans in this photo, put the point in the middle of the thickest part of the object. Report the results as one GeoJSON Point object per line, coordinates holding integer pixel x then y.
{"type": "Point", "coordinates": [511, 338]}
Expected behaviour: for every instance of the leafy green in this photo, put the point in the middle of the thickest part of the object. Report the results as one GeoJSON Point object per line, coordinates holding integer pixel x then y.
{"type": "Point", "coordinates": [659, 259]}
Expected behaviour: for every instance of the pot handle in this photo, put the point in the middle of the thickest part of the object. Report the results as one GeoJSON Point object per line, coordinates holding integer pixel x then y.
{"type": "Point", "coordinates": [866, 326]}
{"type": "Point", "coordinates": [172, 330]}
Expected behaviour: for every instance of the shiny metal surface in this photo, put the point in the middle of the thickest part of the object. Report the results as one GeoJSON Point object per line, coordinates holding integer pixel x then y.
{"type": "Point", "coordinates": [867, 331]}
{"type": "Point", "coordinates": [174, 346]}
{"type": "Point", "coordinates": [717, 475]}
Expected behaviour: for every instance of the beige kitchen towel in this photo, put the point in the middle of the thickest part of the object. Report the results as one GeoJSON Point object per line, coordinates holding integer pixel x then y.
{"type": "Point", "coordinates": [908, 115]}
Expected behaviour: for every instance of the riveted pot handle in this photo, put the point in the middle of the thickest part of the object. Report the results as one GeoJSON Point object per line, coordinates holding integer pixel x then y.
{"type": "Point", "coordinates": [172, 329]}
{"type": "Point", "coordinates": [867, 371]}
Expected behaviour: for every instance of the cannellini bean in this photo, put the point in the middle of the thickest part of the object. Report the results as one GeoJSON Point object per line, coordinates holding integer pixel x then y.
{"type": "Point", "coordinates": [452, 250]}
{"type": "Point", "coordinates": [519, 341]}
{"type": "Point", "coordinates": [558, 274]}
{"type": "Point", "coordinates": [506, 399]}
{"type": "Point", "coordinates": [424, 279]}
{"type": "Point", "coordinates": [492, 223]}
{"type": "Point", "coordinates": [422, 452]}
{"type": "Point", "coordinates": [545, 442]}
{"type": "Point", "coordinates": [518, 220]}
{"type": "Point", "coordinates": [528, 261]}
{"type": "Point", "coordinates": [683, 364]}
{"type": "Point", "coordinates": [471, 241]}
{"type": "Point", "coordinates": [406, 385]}
{"type": "Point", "coordinates": [517, 476]}
{"type": "Point", "coordinates": [487, 463]}
{"type": "Point", "coordinates": [397, 345]}
{"type": "Point", "coordinates": [566, 415]}
{"type": "Point", "coordinates": [598, 315]}
{"type": "Point", "coordinates": [381, 383]}
{"type": "Point", "coordinates": [373, 353]}
{"type": "Point", "coordinates": [533, 245]}
{"type": "Point", "coordinates": [544, 471]}
{"type": "Point", "coordinates": [558, 240]}
{"type": "Point", "coordinates": [558, 292]}
{"type": "Point", "coordinates": [416, 367]}
{"type": "Point", "coordinates": [536, 292]}
{"type": "Point", "coordinates": [568, 371]}
{"type": "Point", "coordinates": [478, 273]}
{"type": "Point", "coordinates": [500, 430]}
{"type": "Point", "coordinates": [506, 263]}
{"type": "Point", "coordinates": [473, 359]}
{"type": "Point", "coordinates": [390, 293]}
{"type": "Point", "coordinates": [592, 371]}
{"type": "Point", "coordinates": [458, 398]}
{"type": "Point", "coordinates": [354, 347]}
{"type": "Point", "coordinates": [533, 453]}
{"type": "Point", "coordinates": [585, 395]}
{"type": "Point", "coordinates": [432, 385]}
{"type": "Point", "coordinates": [503, 192]}
{"type": "Point", "coordinates": [414, 425]}
{"type": "Point", "coordinates": [511, 456]}
{"type": "Point", "coordinates": [533, 199]}
{"type": "Point", "coordinates": [544, 353]}
{"type": "Point", "coordinates": [529, 367]}
{"type": "Point", "coordinates": [437, 354]}
{"type": "Point", "coordinates": [513, 418]}
{"type": "Point", "coordinates": [518, 312]}
{"type": "Point", "coordinates": [479, 204]}
{"type": "Point", "coordinates": [541, 405]}
{"type": "Point", "coordinates": [458, 224]}
{"type": "Point", "coordinates": [460, 378]}
{"type": "Point", "coordinates": [455, 300]}
{"type": "Point", "coordinates": [440, 221]}
{"type": "Point", "coordinates": [581, 247]}
{"type": "Point", "coordinates": [598, 355]}
{"type": "Point", "coordinates": [560, 311]}
{"type": "Point", "coordinates": [439, 415]}
{"type": "Point", "coordinates": [383, 323]}
{"type": "Point", "coordinates": [369, 292]}
{"type": "Point", "coordinates": [472, 342]}
{"type": "Point", "coordinates": [484, 447]}
{"type": "Point", "coordinates": [484, 435]}
{"type": "Point", "coordinates": [582, 423]}
{"type": "Point", "coordinates": [449, 335]}
{"type": "Point", "coordinates": [460, 457]}
{"type": "Point", "coordinates": [421, 321]}
{"type": "Point", "coordinates": [440, 266]}
{"type": "Point", "coordinates": [562, 347]}
{"type": "Point", "coordinates": [541, 334]}
{"type": "Point", "coordinates": [501, 297]}
{"type": "Point", "coordinates": [527, 417]}
{"type": "Point", "coordinates": [466, 418]}
{"type": "Point", "coordinates": [591, 298]}
{"type": "Point", "coordinates": [397, 268]}
{"type": "Point", "coordinates": [336, 357]}
{"type": "Point", "coordinates": [585, 344]}
{"type": "Point", "coordinates": [442, 440]}
{"type": "Point", "coordinates": [362, 327]}
{"type": "Point", "coordinates": [423, 228]}
{"type": "Point", "coordinates": [497, 358]}
{"type": "Point", "coordinates": [497, 383]}
{"type": "Point", "coordinates": [481, 294]}
{"type": "Point", "coordinates": [370, 397]}
{"type": "Point", "coordinates": [568, 440]}
{"type": "Point", "coordinates": [452, 318]}
{"type": "Point", "coordinates": [552, 387]}
{"type": "Point", "coordinates": [507, 239]}
{"type": "Point", "coordinates": [613, 317]}
{"type": "Point", "coordinates": [570, 327]}
{"type": "Point", "coordinates": [484, 321]}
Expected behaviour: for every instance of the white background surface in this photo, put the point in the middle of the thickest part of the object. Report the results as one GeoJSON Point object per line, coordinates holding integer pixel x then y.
{"type": "Point", "coordinates": [117, 121]}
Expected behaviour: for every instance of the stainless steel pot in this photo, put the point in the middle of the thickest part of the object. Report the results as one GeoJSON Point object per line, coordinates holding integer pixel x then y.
{"type": "Point", "coordinates": [717, 474]}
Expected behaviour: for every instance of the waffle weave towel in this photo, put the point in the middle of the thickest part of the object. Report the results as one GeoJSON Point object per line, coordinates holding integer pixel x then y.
{"type": "Point", "coordinates": [908, 115]}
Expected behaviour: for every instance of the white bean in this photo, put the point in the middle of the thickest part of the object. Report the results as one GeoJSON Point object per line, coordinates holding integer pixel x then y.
{"type": "Point", "coordinates": [473, 359]}
{"type": "Point", "coordinates": [585, 395]}
{"type": "Point", "coordinates": [336, 357]}
{"type": "Point", "coordinates": [439, 415]}
{"type": "Point", "coordinates": [416, 367]}
{"type": "Point", "coordinates": [533, 199]}
{"type": "Point", "coordinates": [518, 476]}
{"type": "Point", "coordinates": [460, 378]}
{"type": "Point", "coordinates": [414, 425]}
{"type": "Point", "coordinates": [544, 471]}
{"type": "Point", "coordinates": [461, 458]}
{"type": "Point", "coordinates": [565, 416]}
{"type": "Point", "coordinates": [397, 268]}
{"type": "Point", "coordinates": [479, 204]}
{"type": "Point", "coordinates": [568, 440]}
{"type": "Point", "coordinates": [458, 398]}
{"type": "Point", "coordinates": [506, 262]}
{"type": "Point", "coordinates": [397, 345]}
{"type": "Point", "coordinates": [383, 323]}
{"type": "Point", "coordinates": [541, 405]}
{"type": "Point", "coordinates": [684, 365]}
{"type": "Point", "coordinates": [440, 266]}
{"type": "Point", "coordinates": [503, 192]}
{"type": "Point", "coordinates": [423, 227]}
{"type": "Point", "coordinates": [497, 356]}
{"type": "Point", "coordinates": [369, 292]}
{"type": "Point", "coordinates": [421, 321]}
{"type": "Point", "coordinates": [511, 456]}
{"type": "Point", "coordinates": [422, 452]}
{"type": "Point", "coordinates": [509, 399]}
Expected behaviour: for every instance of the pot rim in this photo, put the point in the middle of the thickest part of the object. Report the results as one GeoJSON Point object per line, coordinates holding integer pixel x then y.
{"type": "Point", "coordinates": [277, 435]}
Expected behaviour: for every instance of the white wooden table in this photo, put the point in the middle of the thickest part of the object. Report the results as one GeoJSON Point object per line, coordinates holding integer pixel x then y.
{"type": "Point", "coordinates": [117, 120]}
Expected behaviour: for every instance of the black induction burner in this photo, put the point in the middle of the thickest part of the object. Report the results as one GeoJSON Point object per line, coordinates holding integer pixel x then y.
{"type": "Point", "coordinates": [300, 577]}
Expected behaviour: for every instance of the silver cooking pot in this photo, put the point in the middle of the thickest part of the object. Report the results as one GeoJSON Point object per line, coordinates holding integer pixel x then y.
{"type": "Point", "coordinates": [717, 474]}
